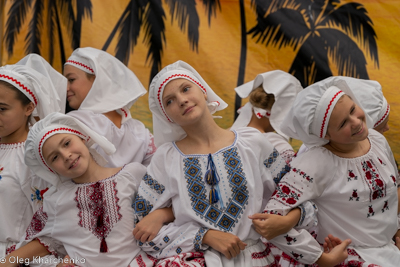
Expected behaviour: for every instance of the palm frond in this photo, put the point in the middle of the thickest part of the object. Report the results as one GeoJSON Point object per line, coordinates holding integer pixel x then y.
{"type": "Point", "coordinates": [16, 17]}
{"type": "Point", "coordinates": [67, 16]}
{"type": "Point", "coordinates": [280, 28]}
{"type": "Point", "coordinates": [129, 32]}
{"type": "Point", "coordinates": [51, 24]}
{"type": "Point", "coordinates": [211, 8]}
{"type": "Point", "coordinates": [311, 63]}
{"type": "Point", "coordinates": [346, 54]}
{"type": "Point", "coordinates": [354, 20]}
{"type": "Point", "coordinates": [83, 9]}
{"type": "Point", "coordinates": [154, 27]}
{"type": "Point", "coordinates": [185, 12]}
{"type": "Point", "coordinates": [32, 39]}
{"type": "Point", "coordinates": [115, 29]}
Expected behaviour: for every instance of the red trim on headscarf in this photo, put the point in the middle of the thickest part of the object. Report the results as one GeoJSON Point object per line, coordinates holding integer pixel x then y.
{"type": "Point", "coordinates": [165, 82]}
{"type": "Point", "coordinates": [80, 64]}
{"type": "Point", "coordinates": [326, 113]}
{"type": "Point", "coordinates": [21, 85]}
{"type": "Point", "coordinates": [384, 116]}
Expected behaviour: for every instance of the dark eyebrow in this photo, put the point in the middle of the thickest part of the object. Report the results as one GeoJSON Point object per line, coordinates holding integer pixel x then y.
{"type": "Point", "coordinates": [183, 84]}
{"type": "Point", "coordinates": [4, 104]}
{"type": "Point", "coordinates": [68, 74]}
{"type": "Point", "coordinates": [59, 144]}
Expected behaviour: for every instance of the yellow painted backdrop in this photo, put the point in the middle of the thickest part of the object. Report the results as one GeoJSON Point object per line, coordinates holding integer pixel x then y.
{"type": "Point", "coordinates": [217, 59]}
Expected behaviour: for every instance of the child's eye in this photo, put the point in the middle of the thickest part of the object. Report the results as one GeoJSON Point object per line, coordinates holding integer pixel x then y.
{"type": "Point", "coordinates": [54, 158]}
{"type": "Point", "coordinates": [71, 80]}
{"type": "Point", "coordinates": [344, 122]}
{"type": "Point", "coordinates": [352, 110]}
{"type": "Point", "coordinates": [168, 102]}
{"type": "Point", "coordinates": [67, 143]}
{"type": "Point", "coordinates": [186, 89]}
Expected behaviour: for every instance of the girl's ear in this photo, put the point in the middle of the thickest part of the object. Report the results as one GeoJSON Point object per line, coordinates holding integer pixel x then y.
{"type": "Point", "coordinates": [205, 97]}
{"type": "Point", "coordinates": [29, 109]}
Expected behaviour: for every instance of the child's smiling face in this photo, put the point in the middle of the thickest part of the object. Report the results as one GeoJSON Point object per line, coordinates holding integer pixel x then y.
{"type": "Point", "coordinates": [67, 155]}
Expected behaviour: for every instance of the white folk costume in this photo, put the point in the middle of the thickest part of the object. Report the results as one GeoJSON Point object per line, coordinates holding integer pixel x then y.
{"type": "Point", "coordinates": [284, 87]}
{"type": "Point", "coordinates": [21, 192]}
{"type": "Point", "coordinates": [93, 221]}
{"type": "Point", "coordinates": [115, 88]}
{"type": "Point", "coordinates": [246, 170]}
{"type": "Point", "coordinates": [356, 197]}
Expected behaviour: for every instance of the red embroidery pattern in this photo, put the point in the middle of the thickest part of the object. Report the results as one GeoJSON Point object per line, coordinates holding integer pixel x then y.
{"type": "Point", "coordinates": [384, 116]}
{"type": "Point", "coordinates": [98, 209]}
{"type": "Point", "coordinates": [166, 81]}
{"type": "Point", "coordinates": [351, 176]}
{"type": "Point", "coordinates": [376, 185]}
{"type": "Point", "coordinates": [139, 261]}
{"type": "Point", "coordinates": [80, 64]}
{"type": "Point", "coordinates": [385, 206]}
{"type": "Point", "coordinates": [151, 147]}
{"type": "Point", "coordinates": [262, 254]}
{"type": "Point", "coordinates": [22, 86]}
{"type": "Point", "coordinates": [371, 211]}
{"type": "Point", "coordinates": [38, 222]}
{"type": "Point", "coordinates": [326, 113]}
{"type": "Point", "coordinates": [10, 249]}
{"type": "Point", "coordinates": [301, 173]}
{"type": "Point", "coordinates": [287, 194]}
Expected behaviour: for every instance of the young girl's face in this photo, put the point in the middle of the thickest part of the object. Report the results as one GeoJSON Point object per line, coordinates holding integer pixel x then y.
{"type": "Point", "coordinates": [347, 124]}
{"type": "Point", "coordinates": [79, 85]}
{"type": "Point", "coordinates": [13, 116]}
{"type": "Point", "coordinates": [183, 101]}
{"type": "Point", "coordinates": [67, 155]}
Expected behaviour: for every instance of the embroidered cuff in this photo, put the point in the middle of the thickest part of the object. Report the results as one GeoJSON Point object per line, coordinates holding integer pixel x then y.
{"type": "Point", "coordinates": [198, 239]}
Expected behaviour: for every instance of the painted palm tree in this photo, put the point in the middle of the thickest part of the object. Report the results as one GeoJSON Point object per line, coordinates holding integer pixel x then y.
{"type": "Point", "coordinates": [324, 32]}
{"type": "Point", "coordinates": [150, 15]}
{"type": "Point", "coordinates": [58, 12]}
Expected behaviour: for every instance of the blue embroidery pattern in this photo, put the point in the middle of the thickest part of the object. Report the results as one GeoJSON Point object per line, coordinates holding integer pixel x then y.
{"type": "Point", "coordinates": [153, 184]}
{"type": "Point", "coordinates": [223, 219]}
{"type": "Point", "coordinates": [282, 173]}
{"type": "Point", "coordinates": [199, 238]}
{"type": "Point", "coordinates": [141, 206]}
{"type": "Point", "coordinates": [178, 250]}
{"type": "Point", "coordinates": [271, 159]}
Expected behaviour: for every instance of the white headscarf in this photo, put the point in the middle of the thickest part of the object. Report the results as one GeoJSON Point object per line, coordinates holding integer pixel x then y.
{"type": "Point", "coordinates": [282, 85]}
{"type": "Point", "coordinates": [369, 94]}
{"type": "Point", "coordinates": [56, 123]}
{"type": "Point", "coordinates": [309, 116]}
{"type": "Point", "coordinates": [38, 81]}
{"type": "Point", "coordinates": [115, 88]}
{"type": "Point", "coordinates": [165, 130]}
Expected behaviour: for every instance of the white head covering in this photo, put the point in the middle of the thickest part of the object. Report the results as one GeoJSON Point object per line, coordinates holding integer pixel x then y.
{"type": "Point", "coordinates": [115, 88]}
{"type": "Point", "coordinates": [282, 85]}
{"type": "Point", "coordinates": [309, 116]}
{"type": "Point", "coordinates": [165, 130]}
{"type": "Point", "coordinates": [59, 82]}
{"type": "Point", "coordinates": [56, 123]}
{"type": "Point", "coordinates": [34, 77]}
{"type": "Point", "coordinates": [369, 94]}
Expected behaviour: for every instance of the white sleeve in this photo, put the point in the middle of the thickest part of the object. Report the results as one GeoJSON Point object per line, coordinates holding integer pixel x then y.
{"type": "Point", "coordinates": [151, 149]}
{"type": "Point", "coordinates": [296, 187]}
{"type": "Point", "coordinates": [42, 224]}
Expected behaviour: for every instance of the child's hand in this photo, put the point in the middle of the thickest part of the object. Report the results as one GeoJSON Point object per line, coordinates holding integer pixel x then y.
{"type": "Point", "coordinates": [397, 239]}
{"type": "Point", "coordinates": [331, 242]}
{"type": "Point", "coordinates": [66, 262]}
{"type": "Point", "coordinates": [147, 229]}
{"type": "Point", "coordinates": [270, 226]}
{"type": "Point", "coordinates": [226, 243]}
{"type": "Point", "coordinates": [335, 256]}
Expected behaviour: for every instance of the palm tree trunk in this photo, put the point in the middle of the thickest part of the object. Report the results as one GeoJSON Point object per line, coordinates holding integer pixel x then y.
{"type": "Point", "coordinates": [60, 39]}
{"type": "Point", "coordinates": [243, 53]}
{"type": "Point", "coordinates": [114, 31]}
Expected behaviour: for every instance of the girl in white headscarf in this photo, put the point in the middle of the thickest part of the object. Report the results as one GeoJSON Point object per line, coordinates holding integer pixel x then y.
{"type": "Point", "coordinates": [271, 95]}
{"type": "Point", "coordinates": [87, 214]}
{"type": "Point", "coordinates": [370, 96]}
{"type": "Point", "coordinates": [214, 178]}
{"type": "Point", "coordinates": [27, 87]}
{"type": "Point", "coordinates": [102, 90]}
{"type": "Point", "coordinates": [349, 172]}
